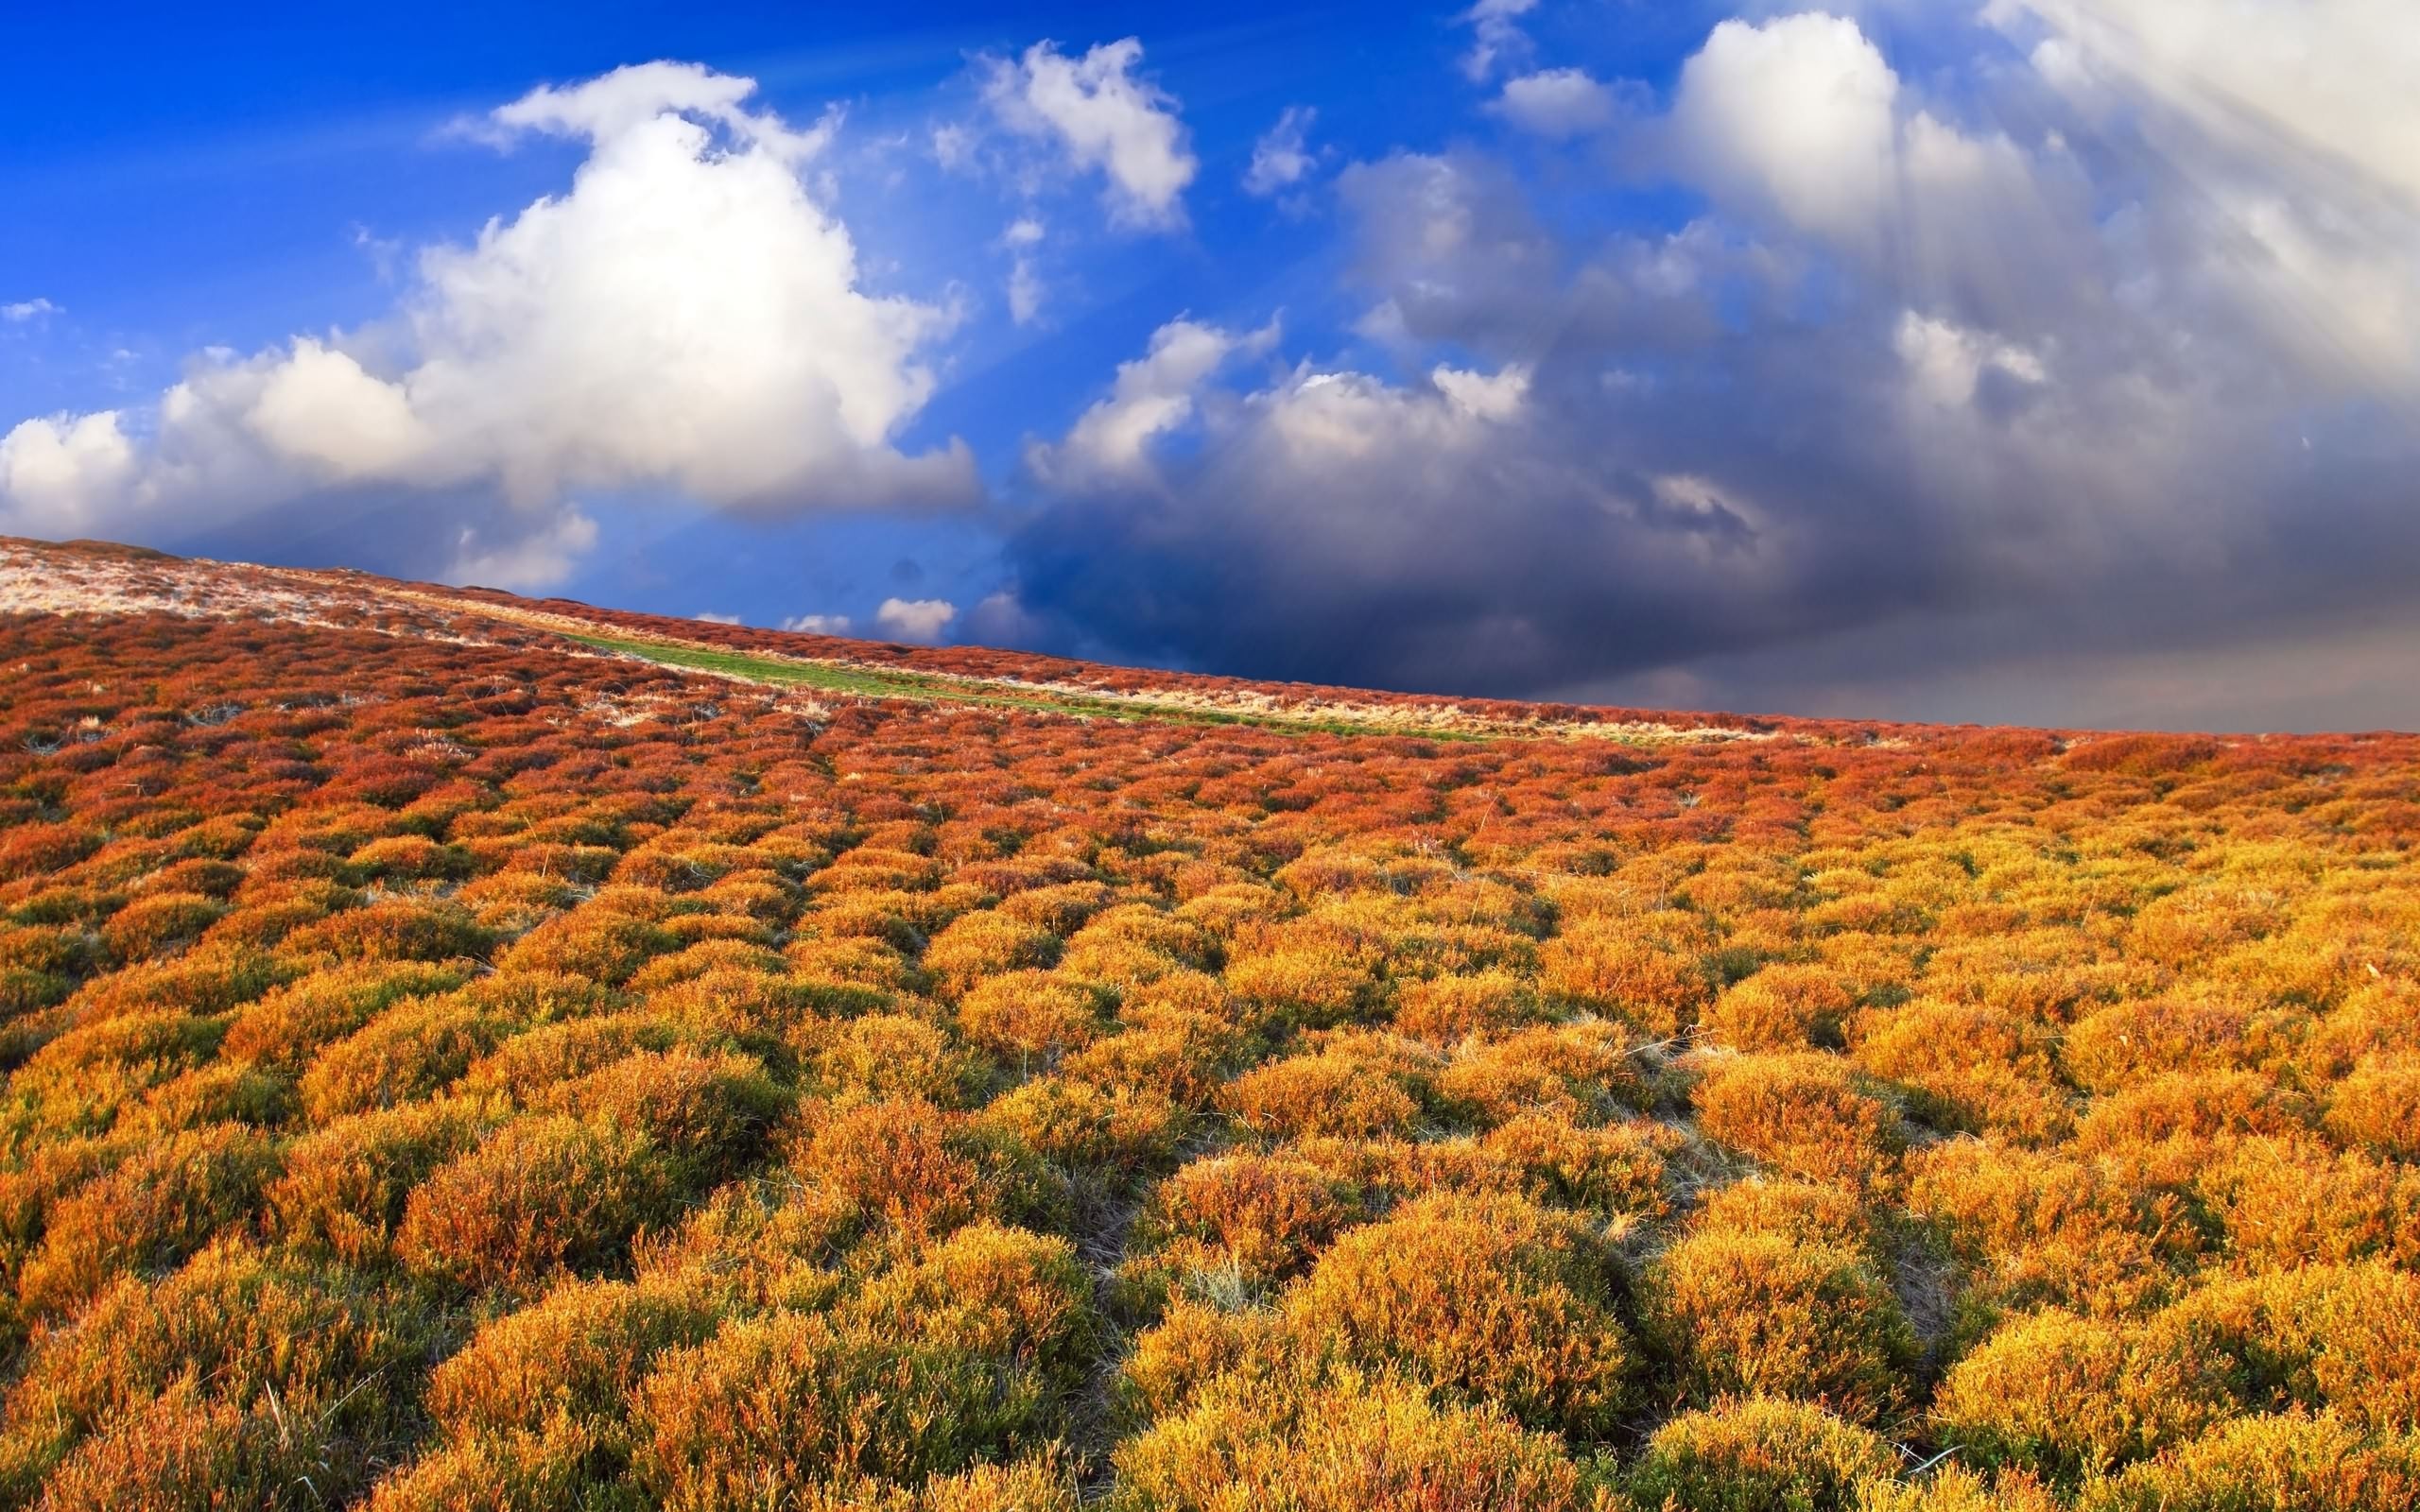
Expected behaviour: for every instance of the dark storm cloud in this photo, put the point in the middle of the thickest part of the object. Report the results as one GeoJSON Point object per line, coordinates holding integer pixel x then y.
{"type": "Point", "coordinates": [1949, 411]}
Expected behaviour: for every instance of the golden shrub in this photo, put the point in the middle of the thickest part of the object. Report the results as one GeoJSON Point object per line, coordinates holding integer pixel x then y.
{"type": "Point", "coordinates": [2042, 1229]}
{"type": "Point", "coordinates": [2290, 1460]}
{"type": "Point", "coordinates": [344, 1185]}
{"type": "Point", "coordinates": [1028, 1014]}
{"type": "Point", "coordinates": [707, 1114]}
{"type": "Point", "coordinates": [2343, 1338]}
{"type": "Point", "coordinates": [158, 923]}
{"type": "Point", "coordinates": [184, 1450]}
{"type": "Point", "coordinates": [763, 1241]}
{"type": "Point", "coordinates": [542, 1195]}
{"type": "Point", "coordinates": [919, 1169]}
{"type": "Point", "coordinates": [528, 1067]}
{"type": "Point", "coordinates": [1604, 964]}
{"type": "Point", "coordinates": [1016, 1297]}
{"type": "Point", "coordinates": [1953, 1488]}
{"type": "Point", "coordinates": [2379, 1105]}
{"type": "Point", "coordinates": [1194, 1345]}
{"type": "Point", "coordinates": [1577, 1071]}
{"type": "Point", "coordinates": [1444, 1009]}
{"type": "Point", "coordinates": [1492, 1298]}
{"type": "Point", "coordinates": [769, 1408]}
{"type": "Point", "coordinates": [163, 1203]}
{"type": "Point", "coordinates": [1619, 1170]}
{"type": "Point", "coordinates": [2066, 1397]}
{"type": "Point", "coordinates": [1966, 1068]}
{"type": "Point", "coordinates": [1351, 1446]}
{"type": "Point", "coordinates": [1180, 1054]}
{"type": "Point", "coordinates": [509, 1471]}
{"type": "Point", "coordinates": [1263, 1216]}
{"type": "Point", "coordinates": [1810, 1213]}
{"type": "Point", "coordinates": [976, 946]}
{"type": "Point", "coordinates": [1802, 1114]}
{"type": "Point", "coordinates": [1325, 1092]}
{"type": "Point", "coordinates": [292, 1025]}
{"type": "Point", "coordinates": [413, 1049]}
{"type": "Point", "coordinates": [1761, 1313]}
{"type": "Point", "coordinates": [1783, 1006]}
{"type": "Point", "coordinates": [1078, 1125]}
{"type": "Point", "coordinates": [1757, 1454]}
{"type": "Point", "coordinates": [262, 1335]}
{"type": "Point", "coordinates": [887, 1056]}
{"type": "Point", "coordinates": [575, 1354]}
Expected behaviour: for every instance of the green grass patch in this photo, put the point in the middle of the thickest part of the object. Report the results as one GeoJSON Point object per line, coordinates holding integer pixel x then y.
{"type": "Point", "coordinates": [869, 683]}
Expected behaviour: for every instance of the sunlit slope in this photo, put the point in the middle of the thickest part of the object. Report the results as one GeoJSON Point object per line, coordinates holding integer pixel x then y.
{"type": "Point", "coordinates": [468, 1053]}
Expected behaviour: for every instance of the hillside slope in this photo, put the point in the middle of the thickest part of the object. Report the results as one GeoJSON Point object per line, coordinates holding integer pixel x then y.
{"type": "Point", "coordinates": [463, 1052]}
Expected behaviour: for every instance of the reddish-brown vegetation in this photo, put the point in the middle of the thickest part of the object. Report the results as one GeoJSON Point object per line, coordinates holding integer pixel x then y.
{"type": "Point", "coordinates": [447, 1068]}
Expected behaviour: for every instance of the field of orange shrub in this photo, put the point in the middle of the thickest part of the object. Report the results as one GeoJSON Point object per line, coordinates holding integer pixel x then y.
{"type": "Point", "coordinates": [483, 1074]}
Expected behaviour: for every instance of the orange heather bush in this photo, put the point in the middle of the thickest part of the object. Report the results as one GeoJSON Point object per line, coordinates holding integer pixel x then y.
{"type": "Point", "coordinates": [414, 1048]}
{"type": "Point", "coordinates": [2378, 1107]}
{"type": "Point", "coordinates": [1782, 1007]}
{"type": "Point", "coordinates": [2067, 1396]}
{"type": "Point", "coordinates": [564, 1463]}
{"type": "Point", "coordinates": [541, 1194]}
{"type": "Point", "coordinates": [892, 1055]}
{"type": "Point", "coordinates": [159, 1205]}
{"type": "Point", "coordinates": [921, 1170]}
{"type": "Point", "coordinates": [577, 1352]}
{"type": "Point", "coordinates": [2036, 1229]}
{"type": "Point", "coordinates": [1197, 1345]}
{"type": "Point", "coordinates": [1751, 1314]}
{"type": "Point", "coordinates": [1619, 1170]}
{"type": "Point", "coordinates": [1348, 1447]}
{"type": "Point", "coordinates": [262, 1335]}
{"type": "Point", "coordinates": [1758, 1455]}
{"type": "Point", "coordinates": [2342, 1338]}
{"type": "Point", "coordinates": [1444, 1009]}
{"type": "Point", "coordinates": [1008, 1295]}
{"type": "Point", "coordinates": [1810, 1212]}
{"type": "Point", "coordinates": [344, 1185]}
{"type": "Point", "coordinates": [1263, 1217]}
{"type": "Point", "coordinates": [1580, 1071]}
{"type": "Point", "coordinates": [1802, 1114]}
{"type": "Point", "coordinates": [1081, 1127]}
{"type": "Point", "coordinates": [159, 924]}
{"type": "Point", "coordinates": [1966, 1069]}
{"type": "Point", "coordinates": [707, 1115]}
{"type": "Point", "coordinates": [1330, 1092]}
{"type": "Point", "coordinates": [1606, 967]}
{"type": "Point", "coordinates": [288, 1027]}
{"type": "Point", "coordinates": [1026, 1015]}
{"type": "Point", "coordinates": [2286, 1461]}
{"type": "Point", "coordinates": [976, 946]}
{"type": "Point", "coordinates": [768, 1410]}
{"type": "Point", "coordinates": [1490, 1298]}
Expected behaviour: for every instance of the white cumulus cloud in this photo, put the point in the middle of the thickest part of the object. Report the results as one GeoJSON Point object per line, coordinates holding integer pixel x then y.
{"type": "Point", "coordinates": [1799, 110]}
{"type": "Point", "coordinates": [1281, 159]}
{"type": "Point", "coordinates": [1101, 116]}
{"type": "Point", "coordinates": [1495, 34]}
{"type": "Point", "coordinates": [819, 624]}
{"type": "Point", "coordinates": [530, 559]}
{"type": "Point", "coordinates": [1557, 102]}
{"type": "Point", "coordinates": [1153, 395]}
{"type": "Point", "coordinates": [687, 315]}
{"type": "Point", "coordinates": [915, 621]}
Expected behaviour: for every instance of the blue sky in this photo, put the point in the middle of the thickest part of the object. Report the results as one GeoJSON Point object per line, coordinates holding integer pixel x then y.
{"type": "Point", "coordinates": [2044, 360]}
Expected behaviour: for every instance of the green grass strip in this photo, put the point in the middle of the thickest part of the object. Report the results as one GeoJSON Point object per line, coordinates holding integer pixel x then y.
{"type": "Point", "coordinates": [867, 682]}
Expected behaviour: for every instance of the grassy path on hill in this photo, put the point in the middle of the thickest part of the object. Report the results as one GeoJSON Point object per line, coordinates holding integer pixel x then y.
{"type": "Point", "coordinates": [868, 682]}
